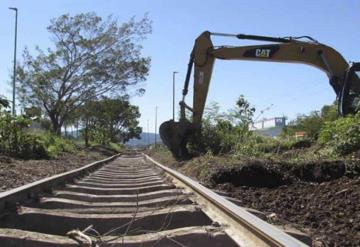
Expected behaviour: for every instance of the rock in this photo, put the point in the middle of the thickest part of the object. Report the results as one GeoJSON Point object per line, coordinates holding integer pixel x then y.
{"type": "Point", "coordinates": [272, 217]}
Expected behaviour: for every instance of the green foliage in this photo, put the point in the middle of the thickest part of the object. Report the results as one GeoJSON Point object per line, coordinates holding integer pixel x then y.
{"type": "Point", "coordinates": [341, 135]}
{"type": "Point", "coordinates": [327, 136]}
{"type": "Point", "coordinates": [293, 143]}
{"type": "Point", "coordinates": [311, 123]}
{"type": "Point", "coordinates": [89, 57]}
{"type": "Point", "coordinates": [13, 133]}
{"type": "Point", "coordinates": [116, 146]}
{"type": "Point", "coordinates": [55, 145]}
{"type": "Point", "coordinates": [243, 112]}
{"type": "Point", "coordinates": [221, 133]}
{"type": "Point", "coordinates": [218, 138]}
{"type": "Point", "coordinates": [110, 120]}
{"type": "Point", "coordinates": [45, 124]}
{"type": "Point", "coordinates": [16, 139]}
{"type": "Point", "coordinates": [229, 133]}
{"type": "Point", "coordinates": [4, 103]}
{"type": "Point", "coordinates": [256, 145]}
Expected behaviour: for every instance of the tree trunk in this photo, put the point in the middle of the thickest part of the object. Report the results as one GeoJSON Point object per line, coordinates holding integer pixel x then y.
{"type": "Point", "coordinates": [86, 134]}
{"type": "Point", "coordinates": [56, 125]}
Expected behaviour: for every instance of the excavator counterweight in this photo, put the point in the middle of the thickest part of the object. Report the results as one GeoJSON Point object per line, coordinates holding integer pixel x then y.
{"type": "Point", "coordinates": [343, 78]}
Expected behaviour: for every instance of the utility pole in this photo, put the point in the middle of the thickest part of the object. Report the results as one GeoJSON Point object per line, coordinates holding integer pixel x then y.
{"type": "Point", "coordinates": [174, 73]}
{"type": "Point", "coordinates": [155, 125]}
{"type": "Point", "coordinates": [14, 75]}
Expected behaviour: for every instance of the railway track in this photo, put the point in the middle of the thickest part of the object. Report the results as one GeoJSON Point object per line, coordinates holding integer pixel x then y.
{"type": "Point", "coordinates": [128, 200]}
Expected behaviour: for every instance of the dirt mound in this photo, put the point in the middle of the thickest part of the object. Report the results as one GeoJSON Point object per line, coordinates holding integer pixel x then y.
{"type": "Point", "coordinates": [328, 211]}
{"type": "Point", "coordinates": [320, 198]}
{"type": "Point", "coordinates": [320, 171]}
{"type": "Point", "coordinates": [254, 174]}
{"type": "Point", "coordinates": [268, 173]}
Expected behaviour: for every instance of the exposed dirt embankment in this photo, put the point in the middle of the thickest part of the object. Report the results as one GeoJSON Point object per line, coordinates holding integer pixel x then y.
{"type": "Point", "coordinates": [321, 198]}
{"type": "Point", "coordinates": [14, 172]}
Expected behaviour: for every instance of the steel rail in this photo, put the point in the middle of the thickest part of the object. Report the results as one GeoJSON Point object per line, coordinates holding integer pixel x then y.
{"type": "Point", "coordinates": [243, 227]}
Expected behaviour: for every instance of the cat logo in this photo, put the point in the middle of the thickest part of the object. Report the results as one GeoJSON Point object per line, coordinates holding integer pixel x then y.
{"type": "Point", "coordinates": [262, 52]}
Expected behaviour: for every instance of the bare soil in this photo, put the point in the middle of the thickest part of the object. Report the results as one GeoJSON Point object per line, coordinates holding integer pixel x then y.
{"type": "Point", "coordinates": [320, 198]}
{"type": "Point", "coordinates": [15, 172]}
{"type": "Point", "coordinates": [329, 211]}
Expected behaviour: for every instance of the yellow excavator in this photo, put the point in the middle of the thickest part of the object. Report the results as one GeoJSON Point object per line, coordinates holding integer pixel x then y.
{"type": "Point", "coordinates": [343, 78]}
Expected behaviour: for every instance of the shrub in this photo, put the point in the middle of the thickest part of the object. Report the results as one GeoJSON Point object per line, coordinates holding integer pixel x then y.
{"type": "Point", "coordinates": [293, 143]}
{"type": "Point", "coordinates": [14, 138]}
{"type": "Point", "coordinates": [311, 123]}
{"type": "Point", "coordinates": [17, 140]}
{"type": "Point", "coordinates": [342, 135]}
{"type": "Point", "coordinates": [117, 147]}
{"type": "Point", "coordinates": [55, 144]}
{"type": "Point", "coordinates": [255, 145]}
{"type": "Point", "coordinates": [219, 138]}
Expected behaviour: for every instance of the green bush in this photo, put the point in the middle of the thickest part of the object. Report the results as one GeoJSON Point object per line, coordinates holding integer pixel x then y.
{"type": "Point", "coordinates": [311, 123]}
{"type": "Point", "coordinates": [219, 138]}
{"type": "Point", "coordinates": [117, 147]}
{"type": "Point", "coordinates": [256, 145]}
{"type": "Point", "coordinates": [293, 143]}
{"type": "Point", "coordinates": [16, 139]}
{"type": "Point", "coordinates": [342, 135]}
{"type": "Point", "coordinates": [55, 144]}
{"type": "Point", "coordinates": [223, 138]}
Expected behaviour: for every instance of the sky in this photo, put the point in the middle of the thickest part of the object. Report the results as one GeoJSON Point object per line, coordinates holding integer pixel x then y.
{"type": "Point", "coordinates": [282, 89]}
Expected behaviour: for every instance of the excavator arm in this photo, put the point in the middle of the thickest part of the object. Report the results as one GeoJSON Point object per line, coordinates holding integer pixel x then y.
{"type": "Point", "coordinates": [288, 50]}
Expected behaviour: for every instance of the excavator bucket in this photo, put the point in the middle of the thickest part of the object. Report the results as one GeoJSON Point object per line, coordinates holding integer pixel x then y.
{"type": "Point", "coordinates": [175, 136]}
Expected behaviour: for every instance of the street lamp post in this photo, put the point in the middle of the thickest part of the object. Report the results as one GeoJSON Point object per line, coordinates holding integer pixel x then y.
{"type": "Point", "coordinates": [156, 110]}
{"type": "Point", "coordinates": [14, 72]}
{"type": "Point", "coordinates": [174, 73]}
{"type": "Point", "coordinates": [148, 134]}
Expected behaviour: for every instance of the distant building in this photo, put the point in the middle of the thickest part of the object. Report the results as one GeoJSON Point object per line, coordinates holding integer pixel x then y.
{"type": "Point", "coordinates": [300, 134]}
{"type": "Point", "coordinates": [269, 126]}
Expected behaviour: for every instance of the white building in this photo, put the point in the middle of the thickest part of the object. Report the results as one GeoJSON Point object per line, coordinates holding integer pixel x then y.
{"type": "Point", "coordinates": [269, 126]}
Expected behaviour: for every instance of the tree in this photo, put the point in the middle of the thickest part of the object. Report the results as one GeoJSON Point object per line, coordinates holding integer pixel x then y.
{"type": "Point", "coordinates": [329, 112]}
{"type": "Point", "coordinates": [90, 57]}
{"type": "Point", "coordinates": [4, 103]}
{"type": "Point", "coordinates": [220, 132]}
{"type": "Point", "coordinates": [313, 122]}
{"type": "Point", "coordinates": [242, 114]}
{"type": "Point", "coordinates": [212, 113]}
{"type": "Point", "coordinates": [108, 120]}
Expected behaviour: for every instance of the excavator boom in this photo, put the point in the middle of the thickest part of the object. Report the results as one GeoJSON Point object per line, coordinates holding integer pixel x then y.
{"type": "Point", "coordinates": [346, 85]}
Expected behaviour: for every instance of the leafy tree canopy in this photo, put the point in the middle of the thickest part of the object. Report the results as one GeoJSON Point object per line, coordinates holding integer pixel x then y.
{"type": "Point", "coordinates": [90, 57]}
{"type": "Point", "coordinates": [4, 103]}
{"type": "Point", "coordinates": [312, 123]}
{"type": "Point", "coordinates": [114, 120]}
